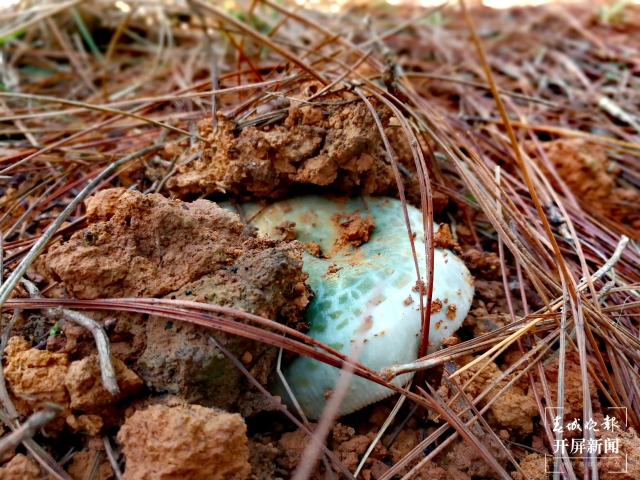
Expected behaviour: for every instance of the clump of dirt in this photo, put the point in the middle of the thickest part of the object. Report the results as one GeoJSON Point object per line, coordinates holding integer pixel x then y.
{"type": "Point", "coordinates": [286, 231]}
{"type": "Point", "coordinates": [91, 424]}
{"type": "Point", "coordinates": [84, 384]}
{"type": "Point", "coordinates": [349, 446]}
{"type": "Point", "coordinates": [292, 445]}
{"type": "Point", "coordinates": [515, 410]}
{"type": "Point", "coordinates": [443, 238]}
{"type": "Point", "coordinates": [149, 246]}
{"type": "Point", "coordinates": [483, 264]}
{"type": "Point", "coordinates": [20, 468]}
{"type": "Point", "coordinates": [312, 248]}
{"type": "Point", "coordinates": [406, 441]}
{"type": "Point", "coordinates": [262, 457]}
{"type": "Point", "coordinates": [135, 246]}
{"type": "Point", "coordinates": [336, 146]}
{"type": "Point", "coordinates": [352, 229]}
{"type": "Point", "coordinates": [35, 377]}
{"type": "Point", "coordinates": [590, 176]}
{"type": "Point", "coordinates": [184, 442]}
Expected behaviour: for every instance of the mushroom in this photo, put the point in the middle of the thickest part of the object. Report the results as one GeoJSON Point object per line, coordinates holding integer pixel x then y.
{"type": "Point", "coordinates": [364, 271]}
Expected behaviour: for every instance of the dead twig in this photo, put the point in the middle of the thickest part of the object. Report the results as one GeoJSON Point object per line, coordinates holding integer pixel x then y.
{"type": "Point", "coordinates": [29, 428]}
{"type": "Point", "coordinates": [107, 371]}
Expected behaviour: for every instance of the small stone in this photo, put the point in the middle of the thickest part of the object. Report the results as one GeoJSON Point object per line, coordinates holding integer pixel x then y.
{"type": "Point", "coordinates": [191, 442]}
{"type": "Point", "coordinates": [92, 424]}
{"type": "Point", "coordinates": [84, 383]}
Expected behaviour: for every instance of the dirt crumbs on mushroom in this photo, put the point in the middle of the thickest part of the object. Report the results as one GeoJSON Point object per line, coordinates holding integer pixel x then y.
{"type": "Point", "coordinates": [286, 231]}
{"type": "Point", "coordinates": [20, 468]}
{"type": "Point", "coordinates": [185, 442]}
{"type": "Point", "coordinates": [352, 229]}
{"type": "Point", "coordinates": [148, 246]}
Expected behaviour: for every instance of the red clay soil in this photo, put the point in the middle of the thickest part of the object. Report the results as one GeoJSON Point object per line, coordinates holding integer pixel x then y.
{"type": "Point", "coordinates": [335, 146]}
{"type": "Point", "coordinates": [149, 246]}
{"type": "Point", "coordinates": [591, 177]}
{"type": "Point", "coordinates": [185, 442]}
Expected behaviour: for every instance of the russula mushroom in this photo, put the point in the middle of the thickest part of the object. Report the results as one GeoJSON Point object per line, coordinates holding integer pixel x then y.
{"type": "Point", "coordinates": [376, 278]}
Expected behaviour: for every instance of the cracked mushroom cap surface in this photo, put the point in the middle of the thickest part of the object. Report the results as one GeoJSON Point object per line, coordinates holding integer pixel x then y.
{"type": "Point", "coordinates": [366, 271]}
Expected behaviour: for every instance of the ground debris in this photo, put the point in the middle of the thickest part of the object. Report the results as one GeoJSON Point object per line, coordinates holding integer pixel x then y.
{"type": "Point", "coordinates": [149, 246]}
{"type": "Point", "coordinates": [352, 229]}
{"type": "Point", "coordinates": [335, 146]}
{"type": "Point", "coordinates": [184, 442]}
{"type": "Point", "coordinates": [19, 468]}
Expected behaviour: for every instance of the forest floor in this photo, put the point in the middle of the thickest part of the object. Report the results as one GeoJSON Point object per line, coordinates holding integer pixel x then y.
{"type": "Point", "coordinates": [123, 126]}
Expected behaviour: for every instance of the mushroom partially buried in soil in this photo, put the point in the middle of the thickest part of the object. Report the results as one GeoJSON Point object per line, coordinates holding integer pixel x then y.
{"type": "Point", "coordinates": [366, 270]}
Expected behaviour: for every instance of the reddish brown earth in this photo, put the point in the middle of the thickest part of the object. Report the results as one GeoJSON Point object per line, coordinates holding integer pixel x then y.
{"type": "Point", "coordinates": [335, 146]}
{"type": "Point", "coordinates": [19, 468]}
{"type": "Point", "coordinates": [352, 229]}
{"type": "Point", "coordinates": [184, 442]}
{"type": "Point", "coordinates": [148, 246]}
{"type": "Point", "coordinates": [171, 375]}
{"type": "Point", "coordinates": [139, 245]}
{"type": "Point", "coordinates": [591, 177]}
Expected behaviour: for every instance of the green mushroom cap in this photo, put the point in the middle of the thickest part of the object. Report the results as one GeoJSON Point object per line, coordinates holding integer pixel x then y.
{"type": "Point", "coordinates": [375, 280]}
